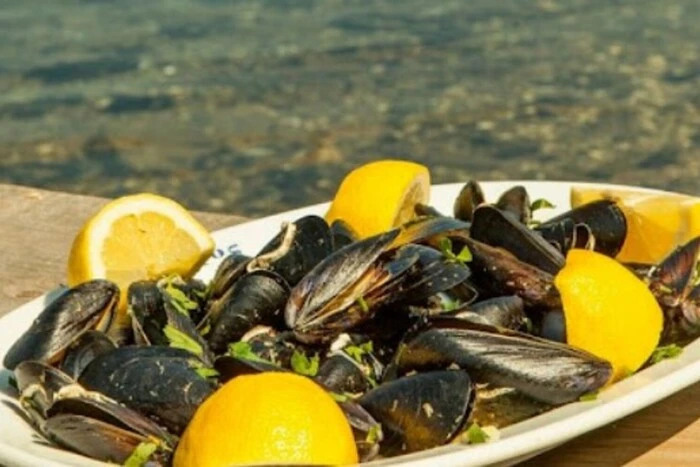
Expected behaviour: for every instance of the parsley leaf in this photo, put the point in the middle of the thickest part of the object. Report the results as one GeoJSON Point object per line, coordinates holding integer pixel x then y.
{"type": "Point", "coordinates": [244, 351]}
{"type": "Point", "coordinates": [374, 435]}
{"type": "Point", "coordinates": [363, 304]}
{"type": "Point", "coordinates": [141, 454]}
{"type": "Point", "coordinates": [464, 255]}
{"type": "Point", "coordinates": [304, 365]}
{"type": "Point", "coordinates": [664, 352]}
{"type": "Point", "coordinates": [589, 396]}
{"type": "Point", "coordinates": [541, 204]}
{"type": "Point", "coordinates": [475, 435]}
{"type": "Point", "coordinates": [180, 340]}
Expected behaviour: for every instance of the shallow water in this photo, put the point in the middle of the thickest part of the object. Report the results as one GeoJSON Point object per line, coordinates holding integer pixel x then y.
{"type": "Point", "coordinates": [252, 107]}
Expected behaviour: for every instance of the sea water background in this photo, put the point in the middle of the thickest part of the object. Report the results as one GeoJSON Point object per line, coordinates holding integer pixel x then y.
{"type": "Point", "coordinates": [257, 106]}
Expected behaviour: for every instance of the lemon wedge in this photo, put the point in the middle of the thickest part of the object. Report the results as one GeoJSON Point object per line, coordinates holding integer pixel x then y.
{"type": "Point", "coordinates": [138, 237]}
{"type": "Point", "coordinates": [380, 195]}
{"type": "Point", "coordinates": [609, 312]}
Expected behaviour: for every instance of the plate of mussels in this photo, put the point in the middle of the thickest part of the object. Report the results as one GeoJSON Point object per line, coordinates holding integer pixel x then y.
{"type": "Point", "coordinates": [457, 318]}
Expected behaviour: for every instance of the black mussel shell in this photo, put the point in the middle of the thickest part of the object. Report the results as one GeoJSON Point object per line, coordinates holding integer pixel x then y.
{"type": "Point", "coordinates": [366, 430]}
{"type": "Point", "coordinates": [156, 316]}
{"type": "Point", "coordinates": [257, 298]}
{"type": "Point", "coordinates": [426, 210]}
{"type": "Point", "coordinates": [84, 307]}
{"type": "Point", "coordinates": [341, 374]}
{"type": "Point", "coordinates": [296, 249]}
{"type": "Point", "coordinates": [496, 228]}
{"type": "Point", "coordinates": [427, 229]}
{"type": "Point", "coordinates": [432, 274]}
{"type": "Point", "coordinates": [101, 408]}
{"type": "Point", "coordinates": [39, 385]}
{"type": "Point", "coordinates": [515, 202]}
{"type": "Point", "coordinates": [316, 309]}
{"type": "Point", "coordinates": [160, 382]}
{"type": "Point", "coordinates": [500, 271]}
{"type": "Point", "coordinates": [544, 370]}
{"type": "Point", "coordinates": [604, 218]}
{"type": "Point", "coordinates": [228, 272]}
{"type": "Point", "coordinates": [420, 411]}
{"type": "Point", "coordinates": [506, 312]}
{"type": "Point", "coordinates": [553, 326]}
{"type": "Point", "coordinates": [469, 198]}
{"type": "Point", "coordinates": [97, 439]}
{"type": "Point", "coordinates": [342, 234]}
{"type": "Point", "coordinates": [84, 350]}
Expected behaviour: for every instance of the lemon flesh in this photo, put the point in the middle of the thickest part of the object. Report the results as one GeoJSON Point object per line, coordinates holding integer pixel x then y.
{"type": "Point", "coordinates": [380, 195]}
{"type": "Point", "coordinates": [268, 418]}
{"type": "Point", "coordinates": [608, 311]}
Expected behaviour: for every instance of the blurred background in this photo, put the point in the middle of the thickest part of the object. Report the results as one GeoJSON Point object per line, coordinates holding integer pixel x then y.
{"type": "Point", "coordinates": [257, 106]}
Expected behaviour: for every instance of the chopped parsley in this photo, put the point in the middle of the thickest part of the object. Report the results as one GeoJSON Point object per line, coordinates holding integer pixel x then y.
{"type": "Point", "coordinates": [180, 340]}
{"type": "Point", "coordinates": [464, 256]}
{"type": "Point", "coordinates": [244, 351]}
{"type": "Point", "coordinates": [304, 365]}
{"type": "Point", "coordinates": [664, 352]}
{"type": "Point", "coordinates": [475, 434]}
{"type": "Point", "coordinates": [141, 454]}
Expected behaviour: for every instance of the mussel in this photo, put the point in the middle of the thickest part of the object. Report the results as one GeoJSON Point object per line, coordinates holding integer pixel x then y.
{"type": "Point", "coordinates": [605, 228]}
{"type": "Point", "coordinates": [87, 306]}
{"type": "Point", "coordinates": [515, 202]}
{"type": "Point", "coordinates": [421, 411]}
{"type": "Point", "coordinates": [470, 197]}
{"type": "Point", "coordinates": [84, 350]}
{"type": "Point", "coordinates": [161, 382]}
{"type": "Point", "coordinates": [546, 371]}
{"type": "Point", "coordinates": [257, 298]}
{"type": "Point", "coordinates": [675, 283]}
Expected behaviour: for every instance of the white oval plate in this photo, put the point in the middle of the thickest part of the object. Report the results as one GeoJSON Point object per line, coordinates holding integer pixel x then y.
{"type": "Point", "coordinates": [21, 446]}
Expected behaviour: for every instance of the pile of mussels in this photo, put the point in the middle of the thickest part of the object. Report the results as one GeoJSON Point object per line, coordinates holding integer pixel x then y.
{"type": "Point", "coordinates": [406, 329]}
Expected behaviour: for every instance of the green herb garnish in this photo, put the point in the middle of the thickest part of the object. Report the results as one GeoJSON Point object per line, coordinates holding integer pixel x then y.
{"type": "Point", "coordinates": [356, 352]}
{"type": "Point", "coordinates": [363, 304]}
{"type": "Point", "coordinates": [141, 454]}
{"type": "Point", "coordinates": [203, 370]}
{"type": "Point", "coordinates": [374, 435]}
{"type": "Point", "coordinates": [339, 397]}
{"type": "Point", "coordinates": [304, 365]}
{"type": "Point", "coordinates": [244, 351]}
{"type": "Point", "coordinates": [180, 340]}
{"type": "Point", "coordinates": [177, 298]}
{"type": "Point", "coordinates": [475, 435]}
{"type": "Point", "coordinates": [464, 256]}
{"type": "Point", "coordinates": [541, 204]}
{"type": "Point", "coordinates": [589, 396]}
{"type": "Point", "coordinates": [664, 352]}
{"type": "Point", "coordinates": [448, 304]}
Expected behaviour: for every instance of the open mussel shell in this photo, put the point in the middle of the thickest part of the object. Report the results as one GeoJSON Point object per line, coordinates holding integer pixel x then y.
{"type": "Point", "coordinates": [469, 198]}
{"type": "Point", "coordinates": [257, 298]}
{"type": "Point", "coordinates": [674, 283]}
{"type": "Point", "coordinates": [505, 312]}
{"type": "Point", "coordinates": [228, 272]}
{"type": "Point", "coordinates": [315, 310]}
{"type": "Point", "coordinates": [515, 202]}
{"type": "Point", "coordinates": [299, 247]}
{"type": "Point", "coordinates": [101, 408]}
{"type": "Point", "coordinates": [39, 385]}
{"type": "Point", "coordinates": [86, 306]}
{"type": "Point", "coordinates": [156, 316]}
{"type": "Point", "coordinates": [84, 350]}
{"type": "Point", "coordinates": [427, 229]}
{"type": "Point", "coordinates": [432, 273]}
{"type": "Point", "coordinates": [499, 229]}
{"type": "Point", "coordinates": [341, 374]}
{"type": "Point", "coordinates": [97, 439]}
{"type": "Point", "coordinates": [604, 218]}
{"type": "Point", "coordinates": [420, 411]}
{"type": "Point", "coordinates": [547, 371]}
{"type": "Point", "coordinates": [501, 272]}
{"type": "Point", "coordinates": [161, 382]}
{"type": "Point", "coordinates": [366, 430]}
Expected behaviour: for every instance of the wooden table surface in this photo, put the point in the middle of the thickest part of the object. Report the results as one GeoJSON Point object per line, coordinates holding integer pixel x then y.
{"type": "Point", "coordinates": [38, 226]}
